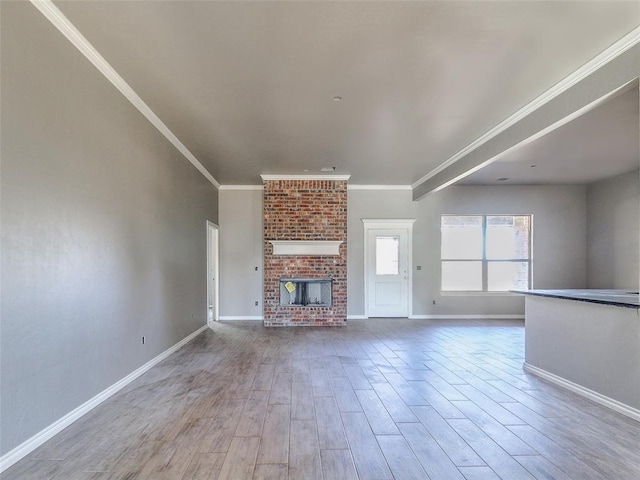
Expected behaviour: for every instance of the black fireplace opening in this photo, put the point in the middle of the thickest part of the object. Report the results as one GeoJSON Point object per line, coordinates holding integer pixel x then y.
{"type": "Point", "coordinates": [306, 292]}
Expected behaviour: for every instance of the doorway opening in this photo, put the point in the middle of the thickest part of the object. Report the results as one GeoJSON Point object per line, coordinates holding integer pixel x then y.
{"type": "Point", "coordinates": [212, 272]}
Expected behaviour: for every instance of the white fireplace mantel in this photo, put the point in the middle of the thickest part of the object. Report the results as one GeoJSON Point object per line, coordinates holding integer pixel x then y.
{"type": "Point", "coordinates": [306, 247]}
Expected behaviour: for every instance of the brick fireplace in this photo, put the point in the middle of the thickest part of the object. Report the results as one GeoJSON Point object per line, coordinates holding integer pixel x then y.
{"type": "Point", "coordinates": [305, 239]}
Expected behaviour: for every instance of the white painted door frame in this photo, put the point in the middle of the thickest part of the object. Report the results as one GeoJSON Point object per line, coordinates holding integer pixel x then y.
{"type": "Point", "coordinates": [213, 271]}
{"type": "Point", "coordinates": [389, 224]}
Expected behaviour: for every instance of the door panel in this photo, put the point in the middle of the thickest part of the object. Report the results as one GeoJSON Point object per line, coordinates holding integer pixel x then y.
{"type": "Point", "coordinates": [388, 273]}
{"type": "Point", "coordinates": [388, 294]}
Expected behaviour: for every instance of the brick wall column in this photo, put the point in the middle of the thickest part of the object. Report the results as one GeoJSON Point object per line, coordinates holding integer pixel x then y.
{"type": "Point", "coordinates": [305, 210]}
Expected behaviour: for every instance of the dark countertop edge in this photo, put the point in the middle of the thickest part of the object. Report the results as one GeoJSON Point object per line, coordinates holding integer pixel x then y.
{"type": "Point", "coordinates": [577, 298]}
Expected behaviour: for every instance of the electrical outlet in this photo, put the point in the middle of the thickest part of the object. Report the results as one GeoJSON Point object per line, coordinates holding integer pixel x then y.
{"type": "Point", "coordinates": [256, 269]}
{"type": "Point", "coordinates": [419, 267]}
{"type": "Point", "coordinates": [256, 303]}
{"type": "Point", "coordinates": [434, 302]}
{"type": "Point", "coordinates": [143, 340]}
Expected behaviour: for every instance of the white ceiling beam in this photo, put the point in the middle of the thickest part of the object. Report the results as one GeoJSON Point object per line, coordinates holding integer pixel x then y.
{"type": "Point", "coordinates": [608, 72]}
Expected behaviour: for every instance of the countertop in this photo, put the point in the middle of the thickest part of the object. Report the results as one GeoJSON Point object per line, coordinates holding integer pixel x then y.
{"type": "Point", "coordinates": [618, 298]}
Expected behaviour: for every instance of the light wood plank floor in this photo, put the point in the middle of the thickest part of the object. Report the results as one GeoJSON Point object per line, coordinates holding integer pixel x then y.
{"type": "Point", "coordinates": [378, 399]}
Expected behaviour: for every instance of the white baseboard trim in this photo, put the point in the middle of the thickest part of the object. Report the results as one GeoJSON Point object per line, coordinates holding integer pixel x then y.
{"type": "Point", "coordinates": [619, 407]}
{"type": "Point", "coordinates": [234, 317]}
{"type": "Point", "coordinates": [515, 316]}
{"type": "Point", "coordinates": [56, 427]}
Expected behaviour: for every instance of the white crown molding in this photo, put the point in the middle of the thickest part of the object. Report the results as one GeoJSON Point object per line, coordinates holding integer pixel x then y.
{"type": "Point", "coordinates": [324, 177]}
{"type": "Point", "coordinates": [608, 402]}
{"type": "Point", "coordinates": [332, 177]}
{"type": "Point", "coordinates": [618, 48]}
{"type": "Point", "coordinates": [64, 25]}
{"type": "Point", "coordinates": [56, 427]}
{"type": "Point", "coordinates": [379, 187]}
{"type": "Point", "coordinates": [305, 177]}
{"type": "Point", "coordinates": [306, 247]}
{"type": "Point", "coordinates": [241, 187]}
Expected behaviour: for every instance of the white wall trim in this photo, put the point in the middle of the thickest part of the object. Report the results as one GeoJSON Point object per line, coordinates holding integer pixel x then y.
{"type": "Point", "coordinates": [304, 177]}
{"type": "Point", "coordinates": [379, 187]}
{"type": "Point", "coordinates": [306, 247]}
{"type": "Point", "coordinates": [64, 25]}
{"type": "Point", "coordinates": [241, 187]}
{"type": "Point", "coordinates": [614, 51]}
{"type": "Point", "coordinates": [39, 438]}
{"type": "Point", "coordinates": [388, 223]}
{"type": "Point", "coordinates": [515, 316]}
{"type": "Point", "coordinates": [357, 317]}
{"type": "Point", "coordinates": [234, 318]}
{"type": "Point", "coordinates": [608, 402]}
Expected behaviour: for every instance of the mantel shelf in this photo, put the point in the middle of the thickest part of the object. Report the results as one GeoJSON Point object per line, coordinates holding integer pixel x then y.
{"type": "Point", "coordinates": [306, 247]}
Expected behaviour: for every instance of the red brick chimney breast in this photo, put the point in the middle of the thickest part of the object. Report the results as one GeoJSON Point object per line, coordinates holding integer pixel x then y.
{"type": "Point", "coordinates": [305, 210]}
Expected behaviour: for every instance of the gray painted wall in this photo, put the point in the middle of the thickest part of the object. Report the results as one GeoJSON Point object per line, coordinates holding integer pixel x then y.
{"type": "Point", "coordinates": [373, 204]}
{"type": "Point", "coordinates": [594, 346]}
{"type": "Point", "coordinates": [559, 229]}
{"type": "Point", "coordinates": [613, 232]}
{"type": "Point", "coordinates": [559, 243]}
{"type": "Point", "coordinates": [103, 231]}
{"type": "Point", "coordinates": [240, 253]}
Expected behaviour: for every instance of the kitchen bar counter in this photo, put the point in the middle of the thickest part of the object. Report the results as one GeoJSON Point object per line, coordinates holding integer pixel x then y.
{"type": "Point", "coordinates": [587, 341]}
{"type": "Point", "coordinates": [618, 298]}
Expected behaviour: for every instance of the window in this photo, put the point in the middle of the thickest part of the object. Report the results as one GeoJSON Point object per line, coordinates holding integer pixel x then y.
{"type": "Point", "coordinates": [387, 255]}
{"type": "Point", "coordinates": [486, 253]}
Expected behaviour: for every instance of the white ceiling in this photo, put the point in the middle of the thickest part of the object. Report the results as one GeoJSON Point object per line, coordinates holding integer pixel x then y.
{"type": "Point", "coordinates": [248, 87]}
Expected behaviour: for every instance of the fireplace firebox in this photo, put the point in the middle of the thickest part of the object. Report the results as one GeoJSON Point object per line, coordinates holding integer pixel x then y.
{"type": "Point", "coordinates": [306, 292]}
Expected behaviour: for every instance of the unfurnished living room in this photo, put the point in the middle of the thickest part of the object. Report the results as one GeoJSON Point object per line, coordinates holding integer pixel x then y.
{"type": "Point", "coordinates": [319, 240]}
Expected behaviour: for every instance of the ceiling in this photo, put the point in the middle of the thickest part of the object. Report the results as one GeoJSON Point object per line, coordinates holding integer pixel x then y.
{"type": "Point", "coordinates": [249, 87]}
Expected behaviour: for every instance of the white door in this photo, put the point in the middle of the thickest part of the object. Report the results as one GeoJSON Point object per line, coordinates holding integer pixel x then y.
{"type": "Point", "coordinates": [388, 273]}
{"type": "Point", "coordinates": [212, 272]}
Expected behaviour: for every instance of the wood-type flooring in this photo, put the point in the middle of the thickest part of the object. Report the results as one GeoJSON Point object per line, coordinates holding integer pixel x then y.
{"type": "Point", "coordinates": [377, 399]}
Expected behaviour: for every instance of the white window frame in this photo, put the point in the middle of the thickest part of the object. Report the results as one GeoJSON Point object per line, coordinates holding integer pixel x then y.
{"type": "Point", "coordinates": [484, 261]}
